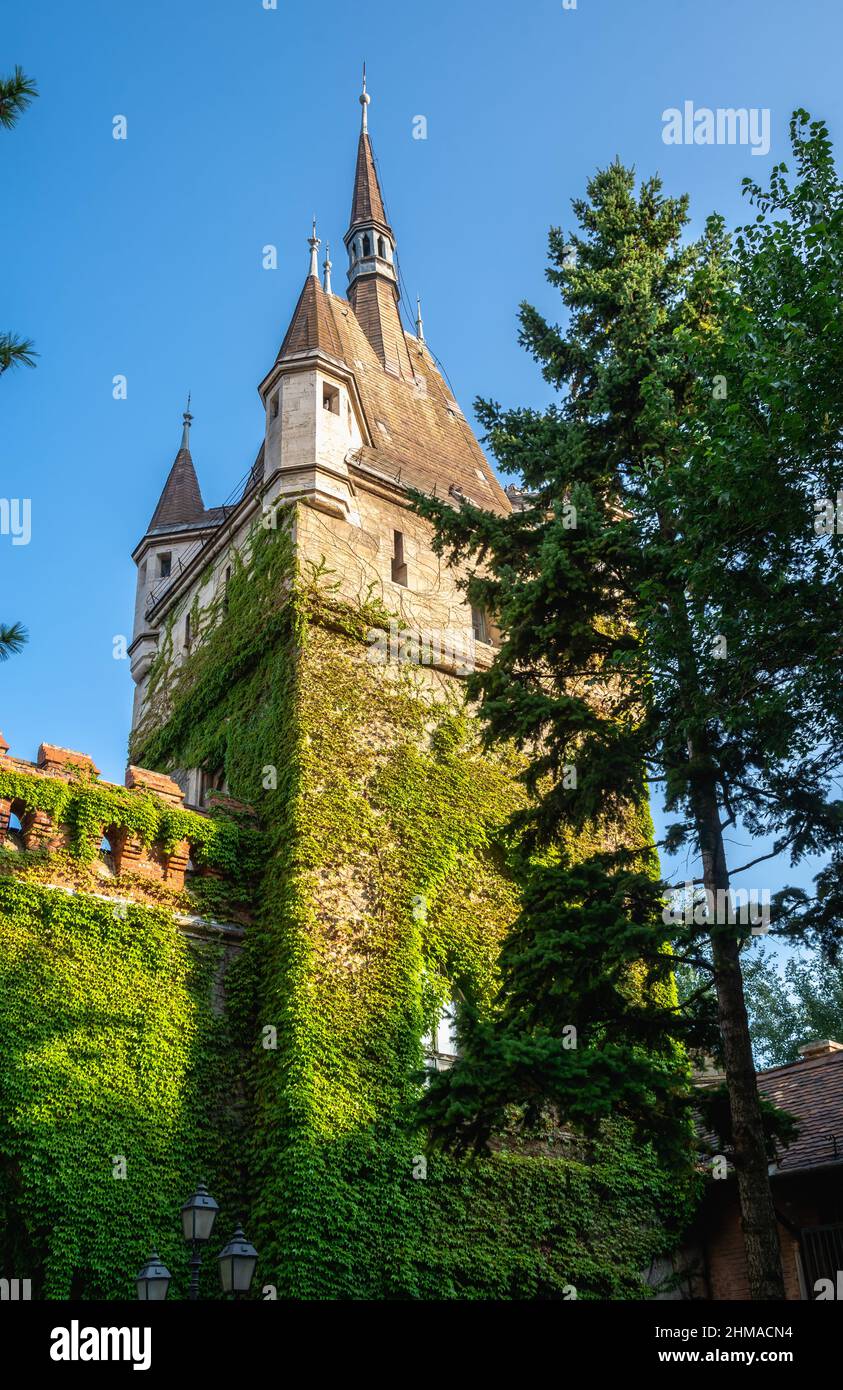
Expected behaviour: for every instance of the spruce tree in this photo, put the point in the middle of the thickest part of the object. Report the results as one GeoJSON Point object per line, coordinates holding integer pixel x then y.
{"type": "Point", "coordinates": [668, 612]}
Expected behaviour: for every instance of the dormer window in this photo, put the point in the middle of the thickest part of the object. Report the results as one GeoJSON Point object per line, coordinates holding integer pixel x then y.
{"type": "Point", "coordinates": [399, 566]}
{"type": "Point", "coordinates": [165, 564]}
{"type": "Point", "coordinates": [330, 398]}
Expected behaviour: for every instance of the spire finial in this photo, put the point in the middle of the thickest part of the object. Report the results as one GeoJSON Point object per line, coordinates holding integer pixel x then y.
{"type": "Point", "coordinates": [364, 102]}
{"type": "Point", "coordinates": [187, 419]}
{"type": "Point", "coordinates": [328, 266]}
{"type": "Point", "coordinates": [419, 321]}
{"type": "Point", "coordinates": [314, 243]}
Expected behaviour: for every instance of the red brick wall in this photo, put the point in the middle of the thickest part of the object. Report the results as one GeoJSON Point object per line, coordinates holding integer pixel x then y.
{"type": "Point", "coordinates": [724, 1248]}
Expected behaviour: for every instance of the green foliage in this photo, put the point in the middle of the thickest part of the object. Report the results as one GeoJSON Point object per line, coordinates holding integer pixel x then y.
{"type": "Point", "coordinates": [388, 891]}
{"type": "Point", "coordinates": [16, 94]}
{"type": "Point", "coordinates": [91, 809]}
{"type": "Point", "coordinates": [664, 599]}
{"type": "Point", "coordinates": [111, 1049]}
{"type": "Point", "coordinates": [791, 1003]}
{"type": "Point", "coordinates": [13, 638]}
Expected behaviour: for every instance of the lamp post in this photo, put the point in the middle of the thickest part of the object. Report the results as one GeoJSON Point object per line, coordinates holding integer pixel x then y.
{"type": "Point", "coordinates": [197, 1221]}
{"type": "Point", "coordinates": [236, 1262]}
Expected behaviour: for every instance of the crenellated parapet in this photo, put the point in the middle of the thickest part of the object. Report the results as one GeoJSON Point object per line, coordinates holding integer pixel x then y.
{"type": "Point", "coordinates": [62, 806]}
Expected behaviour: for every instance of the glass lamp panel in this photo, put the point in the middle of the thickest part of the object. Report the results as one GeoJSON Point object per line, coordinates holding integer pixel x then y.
{"type": "Point", "coordinates": [243, 1272]}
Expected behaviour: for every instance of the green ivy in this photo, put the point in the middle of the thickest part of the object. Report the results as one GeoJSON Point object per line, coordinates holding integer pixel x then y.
{"type": "Point", "coordinates": [111, 1050]}
{"type": "Point", "coordinates": [382, 886]}
{"type": "Point", "coordinates": [387, 880]}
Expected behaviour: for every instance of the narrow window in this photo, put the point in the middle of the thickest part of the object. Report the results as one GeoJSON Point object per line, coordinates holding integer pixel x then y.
{"type": "Point", "coordinates": [381, 248]}
{"type": "Point", "coordinates": [367, 246]}
{"type": "Point", "coordinates": [187, 631]}
{"type": "Point", "coordinates": [399, 567]}
{"type": "Point", "coordinates": [478, 622]}
{"type": "Point", "coordinates": [330, 398]}
{"type": "Point", "coordinates": [226, 583]}
{"type": "Point", "coordinates": [143, 573]}
{"type": "Point", "coordinates": [165, 563]}
{"type": "Point", "coordinates": [440, 1044]}
{"type": "Point", "coordinates": [273, 408]}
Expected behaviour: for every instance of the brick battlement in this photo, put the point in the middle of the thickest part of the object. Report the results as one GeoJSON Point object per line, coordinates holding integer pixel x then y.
{"type": "Point", "coordinates": [129, 853]}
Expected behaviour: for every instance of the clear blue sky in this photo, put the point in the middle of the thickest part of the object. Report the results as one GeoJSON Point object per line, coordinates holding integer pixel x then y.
{"type": "Point", "coordinates": [143, 257]}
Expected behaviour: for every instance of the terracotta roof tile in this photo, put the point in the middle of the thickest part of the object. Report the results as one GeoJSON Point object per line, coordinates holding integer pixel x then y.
{"type": "Point", "coordinates": [812, 1090]}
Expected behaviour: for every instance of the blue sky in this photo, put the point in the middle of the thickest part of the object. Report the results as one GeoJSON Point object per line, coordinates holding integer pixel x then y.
{"type": "Point", "coordinates": [143, 256]}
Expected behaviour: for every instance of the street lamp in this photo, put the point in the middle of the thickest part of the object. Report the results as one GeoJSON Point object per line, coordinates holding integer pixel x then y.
{"type": "Point", "coordinates": [237, 1264]}
{"type": "Point", "coordinates": [153, 1280]}
{"type": "Point", "coordinates": [197, 1222]}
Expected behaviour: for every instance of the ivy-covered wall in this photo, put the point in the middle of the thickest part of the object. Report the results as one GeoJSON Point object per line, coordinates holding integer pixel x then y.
{"type": "Point", "coordinates": [378, 888]}
{"type": "Point", "coordinates": [386, 882]}
{"type": "Point", "coordinates": [118, 1087]}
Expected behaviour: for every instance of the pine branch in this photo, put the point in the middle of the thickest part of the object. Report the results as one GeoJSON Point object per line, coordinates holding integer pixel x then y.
{"type": "Point", "coordinates": [16, 94]}
{"type": "Point", "coordinates": [16, 352]}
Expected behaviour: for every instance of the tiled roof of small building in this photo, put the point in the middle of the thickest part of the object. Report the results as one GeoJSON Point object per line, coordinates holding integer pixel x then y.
{"type": "Point", "coordinates": [812, 1090]}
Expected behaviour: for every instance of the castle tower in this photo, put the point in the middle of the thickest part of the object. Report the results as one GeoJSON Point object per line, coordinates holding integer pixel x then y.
{"type": "Point", "coordinates": [179, 523]}
{"type": "Point", "coordinates": [355, 414]}
{"type": "Point", "coordinates": [308, 942]}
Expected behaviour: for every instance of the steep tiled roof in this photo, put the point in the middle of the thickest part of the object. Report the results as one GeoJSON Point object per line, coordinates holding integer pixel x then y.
{"type": "Point", "coordinates": [180, 502]}
{"type": "Point", "coordinates": [312, 324]}
{"type": "Point", "coordinates": [420, 437]}
{"type": "Point", "coordinates": [812, 1090]}
{"type": "Point", "coordinates": [367, 202]}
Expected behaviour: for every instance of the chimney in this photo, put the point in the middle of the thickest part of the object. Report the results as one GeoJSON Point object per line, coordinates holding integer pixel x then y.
{"type": "Point", "coordinates": [820, 1047]}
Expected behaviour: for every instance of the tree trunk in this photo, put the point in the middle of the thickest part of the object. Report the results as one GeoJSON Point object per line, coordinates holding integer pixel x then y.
{"type": "Point", "coordinates": [758, 1217]}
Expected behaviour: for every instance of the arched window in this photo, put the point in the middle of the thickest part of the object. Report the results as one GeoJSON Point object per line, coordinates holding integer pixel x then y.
{"type": "Point", "coordinates": [367, 246]}
{"type": "Point", "coordinates": [381, 248]}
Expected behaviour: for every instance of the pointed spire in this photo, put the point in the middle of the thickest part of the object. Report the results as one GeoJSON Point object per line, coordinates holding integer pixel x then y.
{"type": "Point", "coordinates": [328, 266]}
{"type": "Point", "coordinates": [372, 274]}
{"type": "Point", "coordinates": [364, 102]}
{"type": "Point", "coordinates": [180, 502]}
{"type": "Point", "coordinates": [314, 243]}
{"type": "Point", "coordinates": [188, 421]}
{"type": "Point", "coordinates": [367, 204]}
{"type": "Point", "coordinates": [419, 320]}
